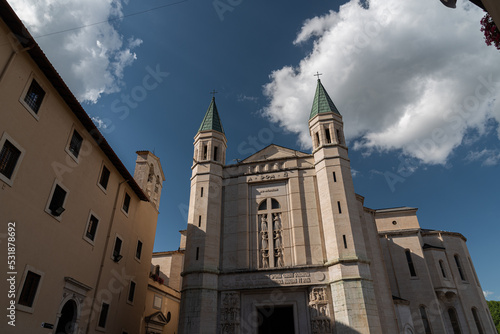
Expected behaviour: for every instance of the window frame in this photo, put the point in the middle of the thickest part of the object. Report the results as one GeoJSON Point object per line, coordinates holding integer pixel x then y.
{"type": "Point", "coordinates": [136, 247]}
{"type": "Point", "coordinates": [35, 114]}
{"type": "Point", "coordinates": [68, 144]}
{"type": "Point", "coordinates": [6, 137]}
{"type": "Point", "coordinates": [47, 210]}
{"type": "Point", "coordinates": [126, 213]}
{"type": "Point", "coordinates": [104, 189]}
{"type": "Point", "coordinates": [98, 324]}
{"type": "Point", "coordinates": [155, 298]}
{"type": "Point", "coordinates": [130, 284]}
{"type": "Point", "coordinates": [120, 253]}
{"type": "Point", "coordinates": [85, 237]}
{"type": "Point", "coordinates": [24, 308]}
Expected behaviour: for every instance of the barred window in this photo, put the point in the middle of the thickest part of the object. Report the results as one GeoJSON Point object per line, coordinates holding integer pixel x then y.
{"type": "Point", "coordinates": [34, 96]}
{"type": "Point", "coordinates": [8, 159]}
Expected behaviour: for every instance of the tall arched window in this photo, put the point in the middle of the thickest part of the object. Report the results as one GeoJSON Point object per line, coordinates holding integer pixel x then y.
{"type": "Point", "coordinates": [441, 265]}
{"type": "Point", "coordinates": [425, 320]}
{"type": "Point", "coordinates": [454, 321]}
{"type": "Point", "coordinates": [411, 267]}
{"type": "Point", "coordinates": [459, 267]}
{"type": "Point", "coordinates": [271, 234]}
{"type": "Point", "coordinates": [477, 321]}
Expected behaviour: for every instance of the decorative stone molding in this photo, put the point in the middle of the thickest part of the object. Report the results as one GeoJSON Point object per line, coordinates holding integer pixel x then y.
{"type": "Point", "coordinates": [319, 306]}
{"type": "Point", "coordinates": [230, 312]}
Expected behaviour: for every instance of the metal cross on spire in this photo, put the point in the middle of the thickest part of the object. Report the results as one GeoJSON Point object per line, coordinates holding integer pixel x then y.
{"type": "Point", "coordinates": [318, 74]}
{"type": "Point", "coordinates": [213, 93]}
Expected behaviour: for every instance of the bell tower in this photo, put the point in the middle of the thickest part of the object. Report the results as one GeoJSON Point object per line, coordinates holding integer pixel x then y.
{"type": "Point", "coordinates": [352, 289]}
{"type": "Point", "coordinates": [201, 262]}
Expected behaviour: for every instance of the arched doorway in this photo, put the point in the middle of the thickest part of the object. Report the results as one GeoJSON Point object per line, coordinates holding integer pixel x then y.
{"type": "Point", "coordinates": [67, 319]}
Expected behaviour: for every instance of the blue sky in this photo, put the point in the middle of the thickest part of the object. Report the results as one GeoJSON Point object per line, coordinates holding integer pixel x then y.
{"type": "Point", "coordinates": [416, 85]}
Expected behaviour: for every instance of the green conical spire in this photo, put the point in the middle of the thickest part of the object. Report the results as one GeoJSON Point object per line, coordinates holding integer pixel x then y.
{"type": "Point", "coordinates": [211, 121]}
{"type": "Point", "coordinates": [322, 102]}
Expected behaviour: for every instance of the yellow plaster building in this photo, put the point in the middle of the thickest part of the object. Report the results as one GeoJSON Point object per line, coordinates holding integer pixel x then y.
{"type": "Point", "coordinates": [82, 226]}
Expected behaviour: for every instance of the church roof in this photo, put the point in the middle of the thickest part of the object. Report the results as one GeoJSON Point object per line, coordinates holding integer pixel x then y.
{"type": "Point", "coordinates": [322, 102]}
{"type": "Point", "coordinates": [211, 121]}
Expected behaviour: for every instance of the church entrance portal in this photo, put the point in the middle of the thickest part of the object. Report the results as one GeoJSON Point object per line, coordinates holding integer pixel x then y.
{"type": "Point", "coordinates": [276, 320]}
{"type": "Point", "coordinates": [67, 320]}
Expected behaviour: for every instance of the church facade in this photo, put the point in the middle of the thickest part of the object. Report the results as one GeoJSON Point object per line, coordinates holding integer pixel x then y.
{"type": "Point", "coordinates": [281, 243]}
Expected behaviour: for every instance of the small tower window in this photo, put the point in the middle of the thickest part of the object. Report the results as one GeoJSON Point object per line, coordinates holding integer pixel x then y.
{"type": "Point", "coordinates": [441, 265]}
{"type": "Point", "coordinates": [411, 267]}
{"type": "Point", "coordinates": [199, 221]}
{"type": "Point", "coordinates": [215, 153]}
{"type": "Point", "coordinates": [197, 253]}
{"type": "Point", "coordinates": [205, 152]}
{"type": "Point", "coordinates": [328, 137]}
{"type": "Point", "coordinates": [338, 137]}
{"type": "Point", "coordinates": [345, 241]}
{"type": "Point", "coordinates": [201, 194]}
{"type": "Point", "coordinates": [334, 177]}
{"type": "Point", "coordinates": [338, 205]}
{"type": "Point", "coordinates": [317, 139]}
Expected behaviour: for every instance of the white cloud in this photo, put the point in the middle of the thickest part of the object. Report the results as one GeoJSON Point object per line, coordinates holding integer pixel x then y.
{"type": "Point", "coordinates": [92, 59]}
{"type": "Point", "coordinates": [406, 75]}
{"type": "Point", "coordinates": [487, 156]}
{"type": "Point", "coordinates": [487, 294]}
{"type": "Point", "coordinates": [242, 98]}
{"type": "Point", "coordinates": [100, 123]}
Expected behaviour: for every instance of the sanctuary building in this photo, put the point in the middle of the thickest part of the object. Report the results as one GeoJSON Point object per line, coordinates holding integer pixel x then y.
{"type": "Point", "coordinates": [281, 243]}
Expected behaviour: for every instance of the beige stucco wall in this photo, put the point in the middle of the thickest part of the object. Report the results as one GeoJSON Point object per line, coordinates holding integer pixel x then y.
{"type": "Point", "coordinates": [56, 248]}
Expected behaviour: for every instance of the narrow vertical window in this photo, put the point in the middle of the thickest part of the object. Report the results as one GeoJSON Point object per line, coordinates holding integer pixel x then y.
{"type": "Point", "coordinates": [201, 195]}
{"type": "Point", "coordinates": [91, 228]}
{"type": "Point", "coordinates": [334, 177]}
{"type": "Point", "coordinates": [117, 249]}
{"type": "Point", "coordinates": [104, 179]}
{"type": "Point", "coordinates": [75, 144]}
{"type": "Point", "coordinates": [410, 263]}
{"type": "Point", "coordinates": [454, 321]}
{"type": "Point", "coordinates": [441, 265]}
{"type": "Point", "coordinates": [56, 203]}
{"type": "Point", "coordinates": [34, 96]}
{"type": "Point", "coordinates": [138, 250]}
{"type": "Point", "coordinates": [338, 137]}
{"type": "Point", "coordinates": [205, 152]}
{"type": "Point", "coordinates": [338, 205]}
{"type": "Point", "coordinates": [215, 153]}
{"type": "Point", "coordinates": [459, 267]}
{"type": "Point", "coordinates": [131, 292]}
{"type": "Point", "coordinates": [8, 159]}
{"type": "Point", "coordinates": [199, 221]}
{"type": "Point", "coordinates": [345, 241]}
{"type": "Point", "coordinates": [327, 135]}
{"type": "Point", "coordinates": [103, 316]}
{"type": "Point", "coordinates": [197, 253]}
{"type": "Point", "coordinates": [29, 290]}
{"type": "Point", "coordinates": [477, 321]}
{"type": "Point", "coordinates": [425, 320]}
{"type": "Point", "coordinates": [317, 139]}
{"type": "Point", "coordinates": [474, 272]}
{"type": "Point", "coordinates": [126, 203]}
